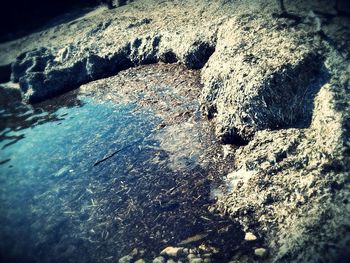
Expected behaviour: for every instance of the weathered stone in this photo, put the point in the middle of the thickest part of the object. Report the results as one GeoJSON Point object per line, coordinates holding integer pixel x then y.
{"type": "Point", "coordinates": [260, 252]}
{"type": "Point", "coordinates": [140, 261]}
{"type": "Point", "coordinates": [32, 61]}
{"type": "Point", "coordinates": [159, 259]}
{"type": "Point", "coordinates": [172, 251]}
{"type": "Point", "coordinates": [196, 260]}
{"type": "Point", "coordinates": [191, 256]}
{"type": "Point", "coordinates": [134, 252]}
{"type": "Point", "coordinates": [126, 259]}
{"type": "Point", "coordinates": [248, 84]}
{"type": "Point", "coordinates": [250, 237]}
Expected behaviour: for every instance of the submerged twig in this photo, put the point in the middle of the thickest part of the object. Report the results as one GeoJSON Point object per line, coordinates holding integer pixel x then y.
{"type": "Point", "coordinates": [119, 150]}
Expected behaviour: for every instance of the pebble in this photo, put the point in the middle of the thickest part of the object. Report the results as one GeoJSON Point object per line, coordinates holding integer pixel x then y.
{"type": "Point", "coordinates": [170, 261]}
{"type": "Point", "coordinates": [260, 252]}
{"type": "Point", "coordinates": [125, 259]}
{"type": "Point", "coordinates": [196, 260]}
{"type": "Point", "coordinates": [172, 251]}
{"type": "Point", "coordinates": [190, 256]}
{"type": "Point", "coordinates": [207, 260]}
{"type": "Point", "coordinates": [140, 261]}
{"type": "Point", "coordinates": [159, 260]}
{"type": "Point", "coordinates": [134, 252]}
{"type": "Point", "coordinates": [250, 237]}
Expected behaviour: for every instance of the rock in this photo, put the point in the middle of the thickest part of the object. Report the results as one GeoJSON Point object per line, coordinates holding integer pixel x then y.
{"type": "Point", "coordinates": [191, 256]}
{"type": "Point", "coordinates": [140, 261]}
{"type": "Point", "coordinates": [134, 252]}
{"type": "Point", "coordinates": [32, 61]}
{"type": "Point", "coordinates": [170, 261]}
{"type": "Point", "coordinates": [193, 239]}
{"type": "Point", "coordinates": [172, 251]}
{"type": "Point", "coordinates": [126, 259]}
{"type": "Point", "coordinates": [260, 252]}
{"type": "Point", "coordinates": [159, 260]}
{"type": "Point", "coordinates": [40, 77]}
{"type": "Point", "coordinates": [250, 237]}
{"type": "Point", "coordinates": [196, 260]}
{"type": "Point", "coordinates": [248, 92]}
{"type": "Point", "coordinates": [207, 260]}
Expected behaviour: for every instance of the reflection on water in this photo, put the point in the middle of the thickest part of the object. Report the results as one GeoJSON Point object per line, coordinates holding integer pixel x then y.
{"type": "Point", "coordinates": [87, 180]}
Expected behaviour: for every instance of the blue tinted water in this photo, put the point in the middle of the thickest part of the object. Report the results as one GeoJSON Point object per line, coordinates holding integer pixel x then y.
{"type": "Point", "coordinates": [88, 180]}
{"type": "Point", "coordinates": [48, 186]}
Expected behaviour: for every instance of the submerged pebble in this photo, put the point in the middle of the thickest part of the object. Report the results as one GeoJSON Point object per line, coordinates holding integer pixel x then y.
{"type": "Point", "coordinates": [250, 237]}
{"type": "Point", "coordinates": [260, 252]}
{"type": "Point", "coordinates": [159, 259]}
{"type": "Point", "coordinates": [172, 251]}
{"type": "Point", "coordinates": [126, 259]}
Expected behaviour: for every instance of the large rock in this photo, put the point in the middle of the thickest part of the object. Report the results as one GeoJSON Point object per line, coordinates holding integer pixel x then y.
{"type": "Point", "coordinates": [43, 73]}
{"type": "Point", "coordinates": [172, 251]}
{"type": "Point", "coordinates": [257, 78]}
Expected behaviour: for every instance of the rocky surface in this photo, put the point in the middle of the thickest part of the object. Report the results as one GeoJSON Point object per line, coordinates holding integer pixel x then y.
{"type": "Point", "coordinates": [275, 83]}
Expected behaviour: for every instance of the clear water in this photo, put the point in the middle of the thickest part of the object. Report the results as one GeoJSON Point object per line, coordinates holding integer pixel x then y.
{"type": "Point", "coordinates": [50, 187]}
{"type": "Point", "coordinates": [58, 203]}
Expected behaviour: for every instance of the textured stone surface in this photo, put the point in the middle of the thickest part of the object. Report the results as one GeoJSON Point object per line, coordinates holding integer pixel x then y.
{"type": "Point", "coordinates": [254, 73]}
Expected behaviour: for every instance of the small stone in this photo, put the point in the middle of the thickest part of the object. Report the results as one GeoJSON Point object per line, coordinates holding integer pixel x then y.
{"type": "Point", "coordinates": [134, 252]}
{"type": "Point", "coordinates": [159, 260]}
{"type": "Point", "coordinates": [196, 260]}
{"type": "Point", "coordinates": [170, 261]}
{"type": "Point", "coordinates": [260, 252]}
{"type": "Point", "coordinates": [250, 237]}
{"type": "Point", "coordinates": [211, 209]}
{"type": "Point", "coordinates": [207, 260]}
{"type": "Point", "coordinates": [140, 261]}
{"type": "Point", "coordinates": [186, 251]}
{"type": "Point", "coordinates": [172, 251]}
{"type": "Point", "coordinates": [190, 256]}
{"type": "Point", "coordinates": [125, 259]}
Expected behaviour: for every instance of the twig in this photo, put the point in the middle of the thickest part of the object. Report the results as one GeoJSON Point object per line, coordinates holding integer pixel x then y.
{"type": "Point", "coordinates": [117, 151]}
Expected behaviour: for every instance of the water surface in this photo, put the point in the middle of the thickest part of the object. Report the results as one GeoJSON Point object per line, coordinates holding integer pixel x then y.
{"type": "Point", "coordinates": [89, 176]}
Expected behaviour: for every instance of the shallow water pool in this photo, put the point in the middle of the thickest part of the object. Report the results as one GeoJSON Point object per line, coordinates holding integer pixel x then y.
{"type": "Point", "coordinates": [89, 178]}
